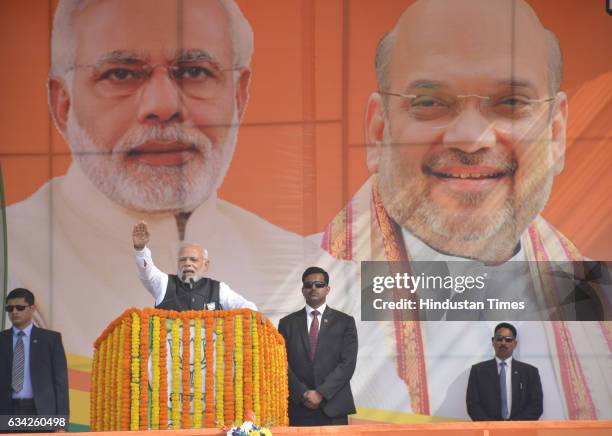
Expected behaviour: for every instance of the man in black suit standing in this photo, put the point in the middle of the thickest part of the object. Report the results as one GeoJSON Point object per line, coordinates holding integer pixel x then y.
{"type": "Point", "coordinates": [33, 369]}
{"type": "Point", "coordinates": [503, 388]}
{"type": "Point", "coordinates": [322, 351]}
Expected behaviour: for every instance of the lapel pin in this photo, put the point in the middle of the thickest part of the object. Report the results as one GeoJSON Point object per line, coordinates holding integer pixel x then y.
{"type": "Point", "coordinates": [35, 340]}
{"type": "Point", "coordinates": [325, 320]}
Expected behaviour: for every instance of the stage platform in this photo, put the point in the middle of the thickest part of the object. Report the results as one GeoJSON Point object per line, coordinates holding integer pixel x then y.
{"type": "Point", "coordinates": [519, 428]}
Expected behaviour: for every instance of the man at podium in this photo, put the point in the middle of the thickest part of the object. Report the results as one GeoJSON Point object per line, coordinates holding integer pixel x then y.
{"type": "Point", "coordinates": [188, 289]}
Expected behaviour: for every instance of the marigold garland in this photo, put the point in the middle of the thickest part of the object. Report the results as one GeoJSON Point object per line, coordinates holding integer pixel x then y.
{"type": "Point", "coordinates": [99, 393]}
{"type": "Point", "coordinates": [197, 373]}
{"type": "Point", "coordinates": [108, 381]}
{"type": "Point", "coordinates": [113, 380]}
{"type": "Point", "coordinates": [163, 374]}
{"type": "Point", "coordinates": [269, 381]}
{"type": "Point", "coordinates": [238, 369]}
{"type": "Point", "coordinates": [219, 375]}
{"type": "Point", "coordinates": [100, 388]}
{"type": "Point", "coordinates": [248, 365]}
{"type": "Point", "coordinates": [186, 385]}
{"type": "Point", "coordinates": [135, 370]}
{"type": "Point", "coordinates": [119, 381]}
{"type": "Point", "coordinates": [127, 354]}
{"type": "Point", "coordinates": [176, 374]}
{"type": "Point", "coordinates": [228, 386]}
{"type": "Point", "coordinates": [144, 371]}
{"type": "Point", "coordinates": [263, 382]}
{"type": "Point", "coordinates": [256, 370]}
{"type": "Point", "coordinates": [274, 391]}
{"type": "Point", "coordinates": [155, 351]}
{"type": "Point", "coordinates": [93, 404]}
{"type": "Point", "coordinates": [245, 371]}
{"type": "Point", "coordinates": [209, 379]}
{"type": "Point", "coordinates": [285, 385]}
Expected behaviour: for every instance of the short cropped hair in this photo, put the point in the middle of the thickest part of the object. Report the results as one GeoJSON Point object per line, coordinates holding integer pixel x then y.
{"type": "Point", "coordinates": [505, 325]}
{"type": "Point", "coordinates": [315, 270]}
{"type": "Point", "coordinates": [21, 293]}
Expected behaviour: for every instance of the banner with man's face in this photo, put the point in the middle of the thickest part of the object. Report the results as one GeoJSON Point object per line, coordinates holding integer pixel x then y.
{"type": "Point", "coordinates": [249, 128]}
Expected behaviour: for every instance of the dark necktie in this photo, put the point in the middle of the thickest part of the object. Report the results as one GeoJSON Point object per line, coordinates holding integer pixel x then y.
{"type": "Point", "coordinates": [502, 389]}
{"type": "Point", "coordinates": [18, 363]}
{"type": "Point", "coordinates": [313, 333]}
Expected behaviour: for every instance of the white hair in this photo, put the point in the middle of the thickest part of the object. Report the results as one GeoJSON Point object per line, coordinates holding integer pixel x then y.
{"type": "Point", "coordinates": [63, 43]}
{"type": "Point", "coordinates": [192, 244]}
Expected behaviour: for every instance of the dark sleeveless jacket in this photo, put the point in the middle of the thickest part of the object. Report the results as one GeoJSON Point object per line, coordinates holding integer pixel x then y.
{"type": "Point", "coordinates": [201, 295]}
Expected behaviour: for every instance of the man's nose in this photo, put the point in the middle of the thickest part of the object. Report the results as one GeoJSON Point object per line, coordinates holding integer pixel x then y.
{"type": "Point", "coordinates": [161, 100]}
{"type": "Point", "coordinates": [470, 131]}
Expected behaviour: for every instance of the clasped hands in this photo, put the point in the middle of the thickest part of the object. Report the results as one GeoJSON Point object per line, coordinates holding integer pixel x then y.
{"type": "Point", "coordinates": [312, 399]}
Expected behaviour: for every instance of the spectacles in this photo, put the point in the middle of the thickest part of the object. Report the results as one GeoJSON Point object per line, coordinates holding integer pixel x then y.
{"type": "Point", "coordinates": [309, 285]}
{"type": "Point", "coordinates": [506, 339]}
{"type": "Point", "coordinates": [202, 80]}
{"type": "Point", "coordinates": [20, 307]}
{"type": "Point", "coordinates": [439, 110]}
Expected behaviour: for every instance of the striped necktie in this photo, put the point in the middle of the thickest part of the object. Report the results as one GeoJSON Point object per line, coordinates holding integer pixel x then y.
{"type": "Point", "coordinates": [18, 363]}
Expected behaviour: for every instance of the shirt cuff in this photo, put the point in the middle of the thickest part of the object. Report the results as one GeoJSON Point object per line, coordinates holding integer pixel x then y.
{"type": "Point", "coordinates": [144, 253]}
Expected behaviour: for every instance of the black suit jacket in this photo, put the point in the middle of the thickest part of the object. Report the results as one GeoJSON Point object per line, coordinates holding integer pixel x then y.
{"type": "Point", "coordinates": [332, 368]}
{"type": "Point", "coordinates": [48, 372]}
{"type": "Point", "coordinates": [483, 394]}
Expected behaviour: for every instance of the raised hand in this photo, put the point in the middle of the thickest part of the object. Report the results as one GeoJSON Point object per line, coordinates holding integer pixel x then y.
{"type": "Point", "coordinates": [140, 235]}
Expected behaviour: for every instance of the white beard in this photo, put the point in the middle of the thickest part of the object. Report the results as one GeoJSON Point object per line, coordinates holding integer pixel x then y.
{"type": "Point", "coordinates": [147, 188]}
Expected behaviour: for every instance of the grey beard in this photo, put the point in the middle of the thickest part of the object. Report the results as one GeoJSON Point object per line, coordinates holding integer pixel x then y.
{"type": "Point", "coordinates": [187, 280]}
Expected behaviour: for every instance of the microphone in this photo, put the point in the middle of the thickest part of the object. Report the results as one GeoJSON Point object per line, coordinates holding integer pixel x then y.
{"type": "Point", "coordinates": [191, 283]}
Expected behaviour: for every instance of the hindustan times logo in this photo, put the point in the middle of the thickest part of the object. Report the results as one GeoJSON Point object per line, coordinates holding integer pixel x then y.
{"type": "Point", "coordinates": [410, 282]}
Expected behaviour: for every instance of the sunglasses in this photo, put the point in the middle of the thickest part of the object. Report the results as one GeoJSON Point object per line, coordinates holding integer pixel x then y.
{"type": "Point", "coordinates": [507, 339]}
{"type": "Point", "coordinates": [20, 307]}
{"type": "Point", "coordinates": [309, 285]}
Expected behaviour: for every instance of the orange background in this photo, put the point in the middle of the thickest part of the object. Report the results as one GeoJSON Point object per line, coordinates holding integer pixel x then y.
{"type": "Point", "coordinates": [300, 152]}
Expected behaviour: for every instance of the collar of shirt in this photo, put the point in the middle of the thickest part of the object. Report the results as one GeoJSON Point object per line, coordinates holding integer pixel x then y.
{"type": "Point", "coordinates": [26, 331]}
{"type": "Point", "coordinates": [508, 363]}
{"type": "Point", "coordinates": [320, 309]}
{"type": "Point", "coordinates": [420, 251]}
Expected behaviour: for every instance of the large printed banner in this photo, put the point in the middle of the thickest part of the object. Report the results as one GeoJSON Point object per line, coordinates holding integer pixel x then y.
{"type": "Point", "coordinates": [287, 133]}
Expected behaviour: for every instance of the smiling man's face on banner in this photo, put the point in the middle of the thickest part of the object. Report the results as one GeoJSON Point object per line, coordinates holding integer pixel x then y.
{"type": "Point", "coordinates": [470, 133]}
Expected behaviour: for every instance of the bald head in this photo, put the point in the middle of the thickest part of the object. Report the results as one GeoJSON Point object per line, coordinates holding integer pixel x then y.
{"type": "Point", "coordinates": [481, 29]}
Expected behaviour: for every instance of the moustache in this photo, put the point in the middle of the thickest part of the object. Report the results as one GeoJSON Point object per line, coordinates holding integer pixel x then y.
{"type": "Point", "coordinates": [139, 136]}
{"type": "Point", "coordinates": [502, 161]}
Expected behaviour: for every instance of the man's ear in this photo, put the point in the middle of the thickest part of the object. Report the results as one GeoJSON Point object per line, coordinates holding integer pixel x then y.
{"type": "Point", "coordinates": [242, 91]}
{"type": "Point", "coordinates": [59, 103]}
{"type": "Point", "coordinates": [559, 131]}
{"type": "Point", "coordinates": [374, 128]}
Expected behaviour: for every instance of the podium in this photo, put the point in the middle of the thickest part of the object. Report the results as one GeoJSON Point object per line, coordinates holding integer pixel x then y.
{"type": "Point", "coordinates": [160, 369]}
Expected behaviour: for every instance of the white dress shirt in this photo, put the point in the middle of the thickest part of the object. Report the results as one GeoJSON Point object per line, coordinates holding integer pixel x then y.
{"type": "Point", "coordinates": [156, 283]}
{"type": "Point", "coordinates": [508, 381]}
{"type": "Point", "coordinates": [309, 316]}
